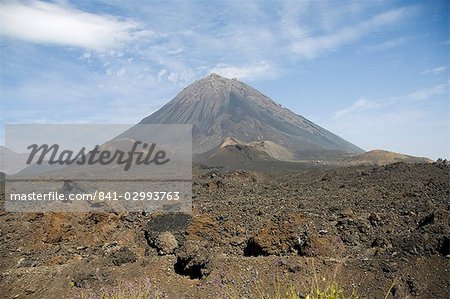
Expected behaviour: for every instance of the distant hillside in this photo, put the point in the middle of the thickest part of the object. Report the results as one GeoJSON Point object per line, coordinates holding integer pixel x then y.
{"type": "Point", "coordinates": [11, 162]}
{"type": "Point", "coordinates": [235, 151]}
{"type": "Point", "coordinates": [381, 157]}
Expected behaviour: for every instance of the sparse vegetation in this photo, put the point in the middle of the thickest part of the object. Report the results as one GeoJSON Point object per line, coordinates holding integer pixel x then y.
{"type": "Point", "coordinates": [281, 289]}
{"type": "Point", "coordinates": [330, 290]}
{"type": "Point", "coordinates": [319, 289]}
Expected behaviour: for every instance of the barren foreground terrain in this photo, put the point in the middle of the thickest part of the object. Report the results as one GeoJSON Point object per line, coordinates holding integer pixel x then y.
{"type": "Point", "coordinates": [375, 230]}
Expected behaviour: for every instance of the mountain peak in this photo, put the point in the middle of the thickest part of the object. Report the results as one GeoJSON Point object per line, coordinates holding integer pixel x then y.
{"type": "Point", "coordinates": [215, 75]}
{"type": "Point", "coordinates": [218, 107]}
{"type": "Point", "coordinates": [216, 80]}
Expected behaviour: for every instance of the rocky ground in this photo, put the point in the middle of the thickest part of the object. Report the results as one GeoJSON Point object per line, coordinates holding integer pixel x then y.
{"type": "Point", "coordinates": [376, 230]}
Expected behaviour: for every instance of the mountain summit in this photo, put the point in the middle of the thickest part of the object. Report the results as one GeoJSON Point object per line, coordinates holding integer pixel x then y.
{"type": "Point", "coordinates": [221, 108]}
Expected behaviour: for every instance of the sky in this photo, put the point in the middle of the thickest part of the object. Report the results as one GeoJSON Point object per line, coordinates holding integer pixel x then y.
{"type": "Point", "coordinates": [373, 72]}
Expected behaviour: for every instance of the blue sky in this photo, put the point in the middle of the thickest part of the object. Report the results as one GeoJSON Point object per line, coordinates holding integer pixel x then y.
{"type": "Point", "coordinates": [374, 72]}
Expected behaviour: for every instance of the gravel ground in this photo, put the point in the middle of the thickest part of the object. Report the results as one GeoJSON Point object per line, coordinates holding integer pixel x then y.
{"type": "Point", "coordinates": [372, 229]}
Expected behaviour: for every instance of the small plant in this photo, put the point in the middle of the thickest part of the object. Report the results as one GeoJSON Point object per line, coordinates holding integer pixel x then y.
{"type": "Point", "coordinates": [332, 291]}
{"type": "Point", "coordinates": [328, 290]}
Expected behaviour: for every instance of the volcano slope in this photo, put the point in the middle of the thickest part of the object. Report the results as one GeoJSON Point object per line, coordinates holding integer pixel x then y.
{"type": "Point", "coordinates": [377, 230]}
{"type": "Point", "coordinates": [221, 108]}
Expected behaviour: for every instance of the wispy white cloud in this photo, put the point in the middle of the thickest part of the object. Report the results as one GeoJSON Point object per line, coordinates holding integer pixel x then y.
{"type": "Point", "coordinates": [291, 12]}
{"type": "Point", "coordinates": [358, 106]}
{"type": "Point", "coordinates": [393, 123]}
{"type": "Point", "coordinates": [436, 70]}
{"type": "Point", "coordinates": [187, 46]}
{"type": "Point", "coordinates": [362, 104]}
{"type": "Point", "coordinates": [42, 22]}
{"type": "Point", "coordinates": [312, 46]}
{"type": "Point", "coordinates": [426, 93]}
{"type": "Point", "coordinates": [387, 44]}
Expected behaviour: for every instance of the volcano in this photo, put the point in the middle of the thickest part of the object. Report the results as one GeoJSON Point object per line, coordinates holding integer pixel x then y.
{"type": "Point", "coordinates": [221, 108]}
